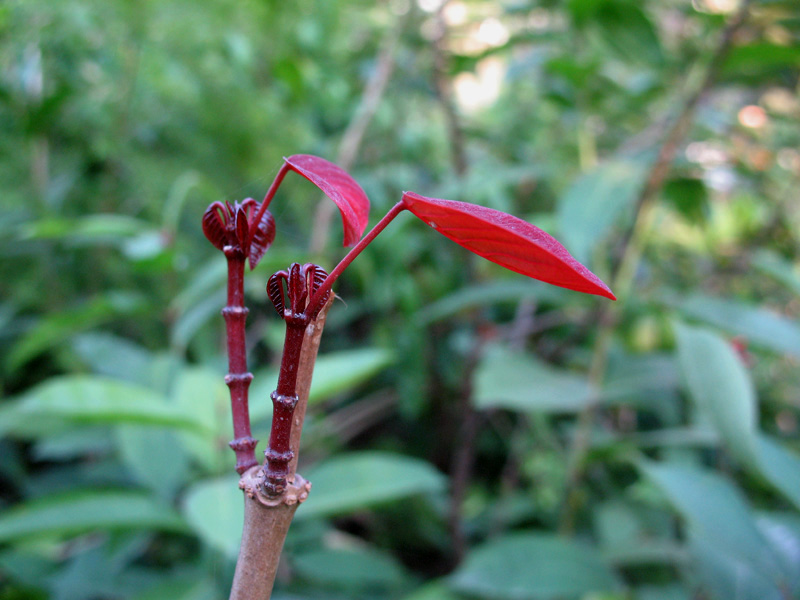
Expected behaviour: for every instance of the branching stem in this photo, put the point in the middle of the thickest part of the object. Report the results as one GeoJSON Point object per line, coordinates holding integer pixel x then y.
{"type": "Point", "coordinates": [319, 296]}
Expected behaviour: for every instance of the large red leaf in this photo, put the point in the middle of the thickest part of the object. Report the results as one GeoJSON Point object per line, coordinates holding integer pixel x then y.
{"type": "Point", "coordinates": [507, 241]}
{"type": "Point", "coordinates": [339, 187]}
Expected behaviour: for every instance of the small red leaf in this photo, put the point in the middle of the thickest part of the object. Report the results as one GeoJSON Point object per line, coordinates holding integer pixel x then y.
{"type": "Point", "coordinates": [507, 241]}
{"type": "Point", "coordinates": [214, 224]}
{"type": "Point", "coordinates": [339, 187]}
{"type": "Point", "coordinates": [263, 235]}
{"type": "Point", "coordinates": [241, 227]}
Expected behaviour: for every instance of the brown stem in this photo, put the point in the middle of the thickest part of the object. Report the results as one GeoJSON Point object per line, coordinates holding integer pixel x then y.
{"type": "Point", "coordinates": [463, 457]}
{"type": "Point", "coordinates": [238, 378]}
{"type": "Point", "coordinates": [680, 127]}
{"type": "Point", "coordinates": [305, 371]}
{"type": "Point", "coordinates": [444, 92]}
{"type": "Point", "coordinates": [354, 134]}
{"type": "Point", "coordinates": [266, 523]}
{"type": "Point", "coordinates": [267, 518]}
{"type": "Point", "coordinates": [461, 473]}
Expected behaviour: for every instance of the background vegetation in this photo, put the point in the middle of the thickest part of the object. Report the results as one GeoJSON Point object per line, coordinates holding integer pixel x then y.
{"type": "Point", "coordinates": [472, 434]}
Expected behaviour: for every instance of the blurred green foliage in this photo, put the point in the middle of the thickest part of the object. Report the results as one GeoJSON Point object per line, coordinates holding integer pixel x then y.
{"type": "Point", "coordinates": [471, 434]}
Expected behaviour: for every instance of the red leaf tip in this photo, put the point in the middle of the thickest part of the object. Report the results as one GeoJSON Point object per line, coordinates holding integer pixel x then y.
{"type": "Point", "coordinates": [507, 241]}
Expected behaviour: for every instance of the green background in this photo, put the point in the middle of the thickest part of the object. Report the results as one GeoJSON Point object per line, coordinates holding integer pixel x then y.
{"type": "Point", "coordinates": [471, 434]}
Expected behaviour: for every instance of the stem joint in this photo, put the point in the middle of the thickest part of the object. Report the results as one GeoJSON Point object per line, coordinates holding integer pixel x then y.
{"type": "Point", "coordinates": [287, 401]}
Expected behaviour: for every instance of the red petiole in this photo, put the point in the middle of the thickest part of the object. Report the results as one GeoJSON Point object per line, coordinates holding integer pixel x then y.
{"type": "Point", "coordinates": [317, 299]}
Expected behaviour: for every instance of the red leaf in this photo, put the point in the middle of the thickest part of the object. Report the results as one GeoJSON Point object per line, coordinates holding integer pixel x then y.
{"type": "Point", "coordinates": [263, 235]}
{"type": "Point", "coordinates": [241, 226]}
{"type": "Point", "coordinates": [214, 224]}
{"type": "Point", "coordinates": [507, 241]}
{"type": "Point", "coordinates": [339, 187]}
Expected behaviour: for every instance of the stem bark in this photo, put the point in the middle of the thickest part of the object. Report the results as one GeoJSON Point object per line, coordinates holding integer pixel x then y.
{"type": "Point", "coordinates": [267, 519]}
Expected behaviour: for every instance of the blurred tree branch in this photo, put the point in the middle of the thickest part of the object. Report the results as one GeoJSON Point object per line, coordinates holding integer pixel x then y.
{"type": "Point", "coordinates": [631, 249]}
{"type": "Point", "coordinates": [354, 134]}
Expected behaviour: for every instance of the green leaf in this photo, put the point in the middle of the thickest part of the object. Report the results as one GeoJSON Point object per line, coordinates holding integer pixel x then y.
{"type": "Point", "coordinates": [338, 372]}
{"type": "Point", "coordinates": [782, 531]}
{"type": "Point", "coordinates": [779, 268]}
{"type": "Point", "coordinates": [533, 566]}
{"type": "Point", "coordinates": [761, 58]}
{"type": "Point", "coordinates": [629, 535]}
{"type": "Point", "coordinates": [203, 393]}
{"type": "Point", "coordinates": [114, 356]}
{"type": "Point", "coordinates": [717, 514]}
{"type": "Point", "coordinates": [190, 321]}
{"type": "Point", "coordinates": [76, 399]}
{"type": "Point", "coordinates": [434, 590]}
{"type": "Point", "coordinates": [334, 373]}
{"type": "Point", "coordinates": [781, 468]}
{"type": "Point", "coordinates": [90, 230]}
{"type": "Point", "coordinates": [728, 576]}
{"type": "Point", "coordinates": [184, 588]}
{"type": "Point", "coordinates": [73, 443]}
{"type": "Point", "coordinates": [362, 480]}
{"type": "Point", "coordinates": [667, 592]}
{"type": "Point", "coordinates": [635, 379]}
{"type": "Point", "coordinates": [349, 569]}
{"type": "Point", "coordinates": [155, 456]}
{"type": "Point", "coordinates": [689, 196]}
{"type": "Point", "coordinates": [504, 291]}
{"type": "Point", "coordinates": [625, 28]}
{"type": "Point", "coordinates": [215, 510]}
{"type": "Point", "coordinates": [89, 510]}
{"type": "Point", "coordinates": [516, 381]}
{"type": "Point", "coordinates": [55, 328]}
{"type": "Point", "coordinates": [720, 385]}
{"type": "Point", "coordinates": [593, 203]}
{"type": "Point", "coordinates": [758, 325]}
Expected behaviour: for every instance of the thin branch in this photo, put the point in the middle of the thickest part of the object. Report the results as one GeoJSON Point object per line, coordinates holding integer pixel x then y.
{"type": "Point", "coordinates": [632, 247]}
{"type": "Point", "coordinates": [444, 92]}
{"type": "Point", "coordinates": [354, 134]}
{"type": "Point", "coordinates": [669, 147]}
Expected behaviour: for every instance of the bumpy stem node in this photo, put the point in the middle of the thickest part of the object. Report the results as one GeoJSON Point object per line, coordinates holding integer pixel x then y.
{"type": "Point", "coordinates": [289, 291]}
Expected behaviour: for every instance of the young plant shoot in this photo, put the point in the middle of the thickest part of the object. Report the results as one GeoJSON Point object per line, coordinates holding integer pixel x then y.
{"type": "Point", "coordinates": [301, 295]}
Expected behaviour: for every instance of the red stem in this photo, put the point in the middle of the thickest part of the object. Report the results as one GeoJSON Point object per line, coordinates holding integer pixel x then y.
{"type": "Point", "coordinates": [319, 296]}
{"type": "Point", "coordinates": [238, 378]}
{"type": "Point", "coordinates": [271, 192]}
{"type": "Point", "coordinates": [284, 399]}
